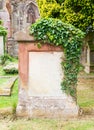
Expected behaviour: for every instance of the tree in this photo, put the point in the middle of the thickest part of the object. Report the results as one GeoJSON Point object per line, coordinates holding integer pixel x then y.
{"type": "Point", "coordinates": [49, 8]}
{"type": "Point", "coordinates": [80, 13]}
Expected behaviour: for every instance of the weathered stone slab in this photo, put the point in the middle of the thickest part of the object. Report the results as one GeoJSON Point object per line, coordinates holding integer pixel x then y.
{"type": "Point", "coordinates": [5, 89]}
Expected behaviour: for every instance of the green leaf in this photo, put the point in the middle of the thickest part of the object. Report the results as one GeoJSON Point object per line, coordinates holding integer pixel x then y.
{"type": "Point", "coordinates": [39, 45]}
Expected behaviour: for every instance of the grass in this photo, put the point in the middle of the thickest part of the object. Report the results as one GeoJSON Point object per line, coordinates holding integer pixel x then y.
{"type": "Point", "coordinates": [1, 71]}
{"type": "Point", "coordinates": [86, 98]}
{"type": "Point", "coordinates": [3, 80]}
{"type": "Point", "coordinates": [85, 93]}
{"type": "Point", "coordinates": [51, 124]}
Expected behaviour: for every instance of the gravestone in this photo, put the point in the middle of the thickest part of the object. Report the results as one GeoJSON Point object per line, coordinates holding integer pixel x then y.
{"type": "Point", "coordinates": [87, 58]}
{"type": "Point", "coordinates": [1, 46]}
{"type": "Point", "coordinates": [40, 76]}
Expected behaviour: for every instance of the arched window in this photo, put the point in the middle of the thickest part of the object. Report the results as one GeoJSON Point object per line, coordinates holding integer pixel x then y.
{"type": "Point", "coordinates": [31, 18]}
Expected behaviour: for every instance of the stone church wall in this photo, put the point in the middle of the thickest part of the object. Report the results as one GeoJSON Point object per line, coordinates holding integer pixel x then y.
{"type": "Point", "coordinates": [17, 15]}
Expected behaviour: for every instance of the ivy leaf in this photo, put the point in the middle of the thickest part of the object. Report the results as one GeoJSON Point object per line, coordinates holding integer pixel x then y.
{"type": "Point", "coordinates": [39, 45]}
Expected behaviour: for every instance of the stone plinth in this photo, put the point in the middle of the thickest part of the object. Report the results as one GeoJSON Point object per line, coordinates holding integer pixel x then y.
{"type": "Point", "coordinates": [46, 106]}
{"type": "Point", "coordinates": [1, 46]}
{"type": "Point", "coordinates": [40, 76]}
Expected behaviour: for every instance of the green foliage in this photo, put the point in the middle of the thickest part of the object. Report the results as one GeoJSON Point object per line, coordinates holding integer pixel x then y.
{"type": "Point", "coordinates": [49, 8]}
{"type": "Point", "coordinates": [79, 13]}
{"type": "Point", "coordinates": [10, 68]}
{"type": "Point", "coordinates": [60, 1]}
{"type": "Point", "coordinates": [7, 58]}
{"type": "Point", "coordinates": [57, 33]}
{"type": "Point", "coordinates": [1, 22]}
{"type": "Point", "coordinates": [14, 108]}
{"type": "Point", "coordinates": [3, 31]}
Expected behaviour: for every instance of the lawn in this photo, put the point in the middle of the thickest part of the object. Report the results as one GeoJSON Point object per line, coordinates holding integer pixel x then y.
{"type": "Point", "coordinates": [3, 80]}
{"type": "Point", "coordinates": [47, 124]}
{"type": "Point", "coordinates": [85, 94]}
{"type": "Point", "coordinates": [1, 71]}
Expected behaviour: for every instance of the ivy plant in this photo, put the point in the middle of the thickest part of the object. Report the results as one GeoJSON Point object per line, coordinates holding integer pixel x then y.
{"type": "Point", "coordinates": [69, 38]}
{"type": "Point", "coordinates": [3, 31]}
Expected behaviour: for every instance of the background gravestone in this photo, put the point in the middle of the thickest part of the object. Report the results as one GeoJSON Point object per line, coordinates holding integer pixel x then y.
{"type": "Point", "coordinates": [87, 58]}
{"type": "Point", "coordinates": [1, 46]}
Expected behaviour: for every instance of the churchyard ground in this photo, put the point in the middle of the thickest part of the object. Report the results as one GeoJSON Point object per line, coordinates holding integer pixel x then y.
{"type": "Point", "coordinates": [85, 96]}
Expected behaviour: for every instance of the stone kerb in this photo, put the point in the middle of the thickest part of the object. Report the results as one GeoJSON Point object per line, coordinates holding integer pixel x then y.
{"type": "Point", "coordinates": [1, 46]}
{"type": "Point", "coordinates": [40, 76]}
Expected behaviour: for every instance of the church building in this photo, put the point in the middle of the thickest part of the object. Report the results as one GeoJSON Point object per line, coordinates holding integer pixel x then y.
{"type": "Point", "coordinates": [16, 16]}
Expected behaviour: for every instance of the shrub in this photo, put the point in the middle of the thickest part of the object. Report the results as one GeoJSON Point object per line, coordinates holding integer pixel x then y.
{"type": "Point", "coordinates": [10, 65]}
{"type": "Point", "coordinates": [4, 59]}
{"type": "Point", "coordinates": [11, 68]}
{"type": "Point", "coordinates": [79, 13]}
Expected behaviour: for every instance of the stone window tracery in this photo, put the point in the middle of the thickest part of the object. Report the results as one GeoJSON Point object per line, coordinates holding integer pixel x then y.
{"type": "Point", "coordinates": [30, 15]}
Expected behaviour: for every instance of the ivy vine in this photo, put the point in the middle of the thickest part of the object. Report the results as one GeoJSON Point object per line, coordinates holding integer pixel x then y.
{"type": "Point", "coordinates": [55, 32]}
